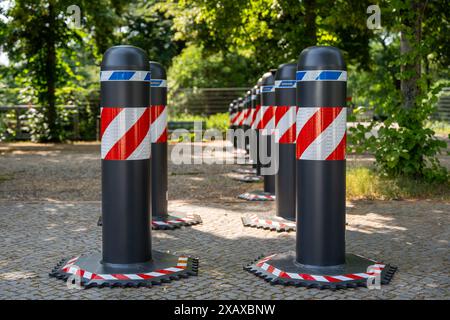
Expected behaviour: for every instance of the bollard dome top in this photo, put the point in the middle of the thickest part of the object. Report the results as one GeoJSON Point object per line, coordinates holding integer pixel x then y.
{"type": "Point", "coordinates": [259, 82]}
{"type": "Point", "coordinates": [267, 79]}
{"type": "Point", "coordinates": [157, 70]}
{"type": "Point", "coordinates": [321, 58]}
{"type": "Point", "coordinates": [286, 71]}
{"type": "Point", "coordinates": [125, 58]}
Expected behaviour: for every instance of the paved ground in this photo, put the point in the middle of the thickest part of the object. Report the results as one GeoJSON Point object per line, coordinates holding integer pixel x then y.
{"type": "Point", "coordinates": [49, 205]}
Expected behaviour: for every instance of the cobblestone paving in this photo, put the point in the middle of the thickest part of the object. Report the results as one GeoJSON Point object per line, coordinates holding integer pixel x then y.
{"type": "Point", "coordinates": [37, 232]}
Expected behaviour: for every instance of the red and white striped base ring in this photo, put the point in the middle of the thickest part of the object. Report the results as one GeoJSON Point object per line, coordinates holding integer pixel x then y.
{"type": "Point", "coordinates": [91, 272]}
{"type": "Point", "coordinates": [257, 196]}
{"type": "Point", "coordinates": [273, 223]}
{"type": "Point", "coordinates": [172, 222]}
{"type": "Point", "coordinates": [281, 268]}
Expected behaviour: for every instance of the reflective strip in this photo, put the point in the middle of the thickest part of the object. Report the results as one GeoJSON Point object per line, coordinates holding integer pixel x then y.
{"type": "Point", "coordinates": [267, 123]}
{"type": "Point", "coordinates": [321, 75]}
{"type": "Point", "coordinates": [285, 119]}
{"type": "Point", "coordinates": [158, 127]}
{"type": "Point", "coordinates": [158, 83]}
{"type": "Point", "coordinates": [285, 84]}
{"type": "Point", "coordinates": [267, 89]}
{"type": "Point", "coordinates": [248, 119]}
{"type": "Point", "coordinates": [126, 134]}
{"type": "Point", "coordinates": [321, 133]}
{"type": "Point", "coordinates": [125, 75]}
{"type": "Point", "coordinates": [257, 117]}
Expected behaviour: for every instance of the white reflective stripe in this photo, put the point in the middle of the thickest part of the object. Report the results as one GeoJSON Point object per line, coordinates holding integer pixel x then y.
{"type": "Point", "coordinates": [73, 269]}
{"type": "Point", "coordinates": [276, 272]}
{"type": "Point", "coordinates": [319, 278]}
{"type": "Point", "coordinates": [133, 276]}
{"type": "Point", "coordinates": [155, 274]}
{"type": "Point", "coordinates": [285, 123]}
{"type": "Point", "coordinates": [294, 275]}
{"type": "Point", "coordinates": [181, 264]}
{"type": "Point", "coordinates": [87, 275]}
{"type": "Point", "coordinates": [257, 118]}
{"type": "Point", "coordinates": [137, 75]}
{"type": "Point", "coordinates": [265, 266]}
{"type": "Point", "coordinates": [303, 115]}
{"type": "Point", "coordinates": [174, 269]}
{"type": "Point", "coordinates": [158, 83]}
{"type": "Point", "coordinates": [107, 277]}
{"type": "Point", "coordinates": [118, 127]}
{"type": "Point", "coordinates": [342, 278]}
{"type": "Point", "coordinates": [158, 126]}
{"type": "Point", "coordinates": [160, 223]}
{"type": "Point", "coordinates": [328, 140]}
{"type": "Point", "coordinates": [143, 150]}
{"type": "Point", "coordinates": [363, 275]}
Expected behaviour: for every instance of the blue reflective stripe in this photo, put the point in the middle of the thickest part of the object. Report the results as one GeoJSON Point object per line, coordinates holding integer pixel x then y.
{"type": "Point", "coordinates": [329, 75]}
{"type": "Point", "coordinates": [299, 75]}
{"type": "Point", "coordinates": [285, 84]}
{"type": "Point", "coordinates": [124, 75]}
{"type": "Point", "coordinates": [158, 83]}
{"type": "Point", "coordinates": [267, 88]}
{"type": "Point", "coordinates": [121, 75]}
{"type": "Point", "coordinates": [321, 75]}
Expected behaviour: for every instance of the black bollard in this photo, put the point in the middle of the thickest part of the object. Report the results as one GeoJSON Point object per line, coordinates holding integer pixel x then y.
{"type": "Point", "coordinates": [268, 124]}
{"type": "Point", "coordinates": [158, 134]}
{"type": "Point", "coordinates": [285, 117]}
{"type": "Point", "coordinates": [127, 259]}
{"type": "Point", "coordinates": [320, 260]}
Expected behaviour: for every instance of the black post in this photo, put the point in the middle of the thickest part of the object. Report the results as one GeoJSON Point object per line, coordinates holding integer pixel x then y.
{"type": "Point", "coordinates": [321, 133]}
{"type": "Point", "coordinates": [125, 151]}
{"type": "Point", "coordinates": [268, 124]}
{"type": "Point", "coordinates": [285, 117]}
{"type": "Point", "coordinates": [158, 134]}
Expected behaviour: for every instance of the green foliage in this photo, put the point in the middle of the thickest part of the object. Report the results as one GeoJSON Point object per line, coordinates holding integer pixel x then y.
{"type": "Point", "coordinates": [366, 183]}
{"type": "Point", "coordinates": [219, 121]}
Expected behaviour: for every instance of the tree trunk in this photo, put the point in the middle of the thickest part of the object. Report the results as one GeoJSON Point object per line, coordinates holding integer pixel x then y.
{"type": "Point", "coordinates": [310, 23]}
{"type": "Point", "coordinates": [410, 37]}
{"type": "Point", "coordinates": [50, 74]}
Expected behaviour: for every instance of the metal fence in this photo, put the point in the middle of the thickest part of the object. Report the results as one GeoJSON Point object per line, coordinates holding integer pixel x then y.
{"type": "Point", "coordinates": [204, 101]}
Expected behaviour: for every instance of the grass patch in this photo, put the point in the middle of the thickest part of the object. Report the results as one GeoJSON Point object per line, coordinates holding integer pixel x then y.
{"type": "Point", "coordinates": [365, 183]}
{"type": "Point", "coordinates": [441, 128]}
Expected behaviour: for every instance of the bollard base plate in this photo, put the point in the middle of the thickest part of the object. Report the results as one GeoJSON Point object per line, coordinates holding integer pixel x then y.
{"type": "Point", "coordinates": [273, 223]}
{"type": "Point", "coordinates": [248, 178]}
{"type": "Point", "coordinates": [170, 222]}
{"type": "Point", "coordinates": [90, 271]}
{"type": "Point", "coordinates": [281, 268]}
{"type": "Point", "coordinates": [257, 196]}
{"type": "Point", "coordinates": [245, 171]}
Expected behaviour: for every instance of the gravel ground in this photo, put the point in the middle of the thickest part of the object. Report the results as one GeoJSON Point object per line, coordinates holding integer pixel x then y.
{"type": "Point", "coordinates": [49, 205]}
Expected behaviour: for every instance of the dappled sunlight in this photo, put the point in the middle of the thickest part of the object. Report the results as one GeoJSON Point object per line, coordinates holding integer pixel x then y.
{"type": "Point", "coordinates": [372, 223]}
{"type": "Point", "coordinates": [17, 275]}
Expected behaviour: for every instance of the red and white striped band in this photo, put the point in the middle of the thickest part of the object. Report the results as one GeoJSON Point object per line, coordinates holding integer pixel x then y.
{"type": "Point", "coordinates": [256, 117]}
{"type": "Point", "coordinates": [249, 117]}
{"type": "Point", "coordinates": [265, 265]}
{"type": "Point", "coordinates": [71, 268]}
{"type": "Point", "coordinates": [158, 127]}
{"type": "Point", "coordinates": [125, 133]}
{"type": "Point", "coordinates": [321, 133]}
{"type": "Point", "coordinates": [285, 120]}
{"type": "Point", "coordinates": [267, 122]}
{"type": "Point", "coordinates": [244, 116]}
{"type": "Point", "coordinates": [236, 117]}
